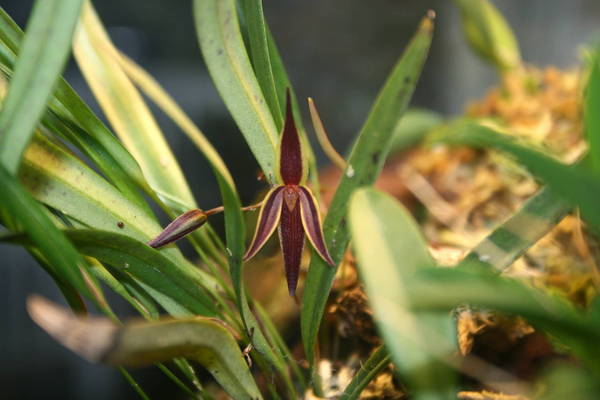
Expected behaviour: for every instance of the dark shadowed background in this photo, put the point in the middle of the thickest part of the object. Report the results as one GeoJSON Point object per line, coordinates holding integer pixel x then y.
{"type": "Point", "coordinates": [336, 51]}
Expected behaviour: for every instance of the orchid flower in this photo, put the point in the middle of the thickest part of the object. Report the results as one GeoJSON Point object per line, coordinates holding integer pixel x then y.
{"type": "Point", "coordinates": [291, 206]}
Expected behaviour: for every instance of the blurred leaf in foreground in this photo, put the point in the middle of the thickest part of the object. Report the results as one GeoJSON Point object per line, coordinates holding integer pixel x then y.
{"type": "Point", "coordinates": [205, 340]}
{"type": "Point", "coordinates": [390, 249]}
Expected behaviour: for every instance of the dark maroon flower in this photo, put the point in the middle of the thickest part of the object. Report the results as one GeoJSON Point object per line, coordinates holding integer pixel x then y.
{"type": "Point", "coordinates": [292, 206]}
{"type": "Point", "coordinates": [181, 226]}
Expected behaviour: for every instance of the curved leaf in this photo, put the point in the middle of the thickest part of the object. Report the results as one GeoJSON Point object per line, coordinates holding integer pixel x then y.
{"type": "Point", "coordinates": [57, 178]}
{"type": "Point", "coordinates": [234, 222]}
{"type": "Point", "coordinates": [368, 370]}
{"type": "Point", "coordinates": [364, 165]}
{"type": "Point", "coordinates": [126, 110]}
{"type": "Point", "coordinates": [442, 289]}
{"type": "Point", "coordinates": [78, 124]}
{"type": "Point", "coordinates": [20, 211]}
{"type": "Point", "coordinates": [390, 249]}
{"type": "Point", "coordinates": [147, 265]}
{"type": "Point", "coordinates": [260, 57]}
{"type": "Point", "coordinates": [227, 61]}
{"type": "Point", "coordinates": [204, 340]}
{"type": "Point", "coordinates": [591, 109]}
{"type": "Point", "coordinates": [41, 60]}
{"type": "Point", "coordinates": [574, 184]}
{"type": "Point", "coordinates": [517, 234]}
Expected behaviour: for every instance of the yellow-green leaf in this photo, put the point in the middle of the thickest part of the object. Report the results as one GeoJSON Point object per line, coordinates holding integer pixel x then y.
{"type": "Point", "coordinates": [390, 249]}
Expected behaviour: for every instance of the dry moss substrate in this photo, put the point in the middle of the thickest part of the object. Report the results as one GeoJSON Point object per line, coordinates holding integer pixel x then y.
{"type": "Point", "coordinates": [459, 195]}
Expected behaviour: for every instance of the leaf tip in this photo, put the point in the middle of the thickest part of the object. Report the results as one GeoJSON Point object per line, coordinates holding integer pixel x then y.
{"type": "Point", "coordinates": [427, 22]}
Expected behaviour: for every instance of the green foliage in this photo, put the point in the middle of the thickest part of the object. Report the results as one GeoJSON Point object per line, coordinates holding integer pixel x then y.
{"type": "Point", "coordinates": [591, 110]}
{"type": "Point", "coordinates": [85, 226]}
{"type": "Point", "coordinates": [575, 184]}
{"type": "Point", "coordinates": [205, 340]}
{"type": "Point", "coordinates": [227, 60]}
{"type": "Point", "coordinates": [364, 165]}
{"type": "Point", "coordinates": [389, 249]}
{"type": "Point", "coordinates": [46, 44]}
{"type": "Point", "coordinates": [369, 370]}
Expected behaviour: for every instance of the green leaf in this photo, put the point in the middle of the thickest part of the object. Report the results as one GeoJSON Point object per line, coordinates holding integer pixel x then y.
{"type": "Point", "coordinates": [511, 239]}
{"type": "Point", "coordinates": [147, 265]}
{"type": "Point", "coordinates": [591, 110]}
{"type": "Point", "coordinates": [204, 340]}
{"type": "Point", "coordinates": [42, 58]}
{"type": "Point", "coordinates": [126, 110]}
{"type": "Point", "coordinates": [260, 57]}
{"type": "Point", "coordinates": [573, 184]}
{"type": "Point", "coordinates": [364, 165]}
{"type": "Point", "coordinates": [129, 115]}
{"type": "Point", "coordinates": [489, 34]}
{"type": "Point", "coordinates": [390, 249]}
{"type": "Point", "coordinates": [60, 180]}
{"type": "Point", "coordinates": [234, 225]}
{"type": "Point", "coordinates": [88, 133]}
{"type": "Point", "coordinates": [414, 124]}
{"type": "Point", "coordinates": [125, 287]}
{"type": "Point", "coordinates": [162, 278]}
{"type": "Point", "coordinates": [377, 361]}
{"type": "Point", "coordinates": [229, 66]}
{"type": "Point", "coordinates": [442, 289]}
{"type": "Point", "coordinates": [282, 84]}
{"type": "Point", "coordinates": [21, 212]}
{"type": "Point", "coordinates": [566, 381]}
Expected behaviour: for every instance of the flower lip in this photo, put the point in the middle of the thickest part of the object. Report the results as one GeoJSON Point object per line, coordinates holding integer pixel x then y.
{"type": "Point", "coordinates": [290, 196]}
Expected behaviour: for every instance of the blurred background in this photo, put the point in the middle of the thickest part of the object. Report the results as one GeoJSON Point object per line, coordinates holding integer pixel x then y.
{"type": "Point", "coordinates": [337, 51]}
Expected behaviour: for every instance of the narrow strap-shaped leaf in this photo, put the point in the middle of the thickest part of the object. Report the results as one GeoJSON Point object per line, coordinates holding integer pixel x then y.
{"type": "Point", "coordinates": [591, 110]}
{"type": "Point", "coordinates": [100, 156]}
{"type": "Point", "coordinates": [377, 361]}
{"type": "Point", "coordinates": [233, 217]}
{"type": "Point", "coordinates": [229, 66]}
{"type": "Point", "coordinates": [41, 60]}
{"type": "Point", "coordinates": [134, 123]}
{"type": "Point", "coordinates": [390, 249]}
{"type": "Point", "coordinates": [282, 85]}
{"type": "Point", "coordinates": [515, 236]}
{"type": "Point", "coordinates": [365, 163]}
{"type": "Point", "coordinates": [92, 136]}
{"type": "Point", "coordinates": [126, 110]}
{"type": "Point", "coordinates": [57, 178]}
{"type": "Point", "coordinates": [414, 124]}
{"type": "Point", "coordinates": [20, 211]}
{"type": "Point", "coordinates": [204, 340]}
{"type": "Point", "coordinates": [151, 269]}
{"type": "Point", "coordinates": [311, 221]}
{"type": "Point", "coordinates": [574, 184]}
{"type": "Point", "coordinates": [260, 57]}
{"type": "Point", "coordinates": [268, 219]}
{"type": "Point", "coordinates": [443, 289]}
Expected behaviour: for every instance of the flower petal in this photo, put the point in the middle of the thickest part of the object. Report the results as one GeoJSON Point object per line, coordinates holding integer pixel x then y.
{"type": "Point", "coordinates": [311, 220]}
{"type": "Point", "coordinates": [290, 150]}
{"type": "Point", "coordinates": [291, 237]}
{"type": "Point", "coordinates": [267, 221]}
{"type": "Point", "coordinates": [181, 226]}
